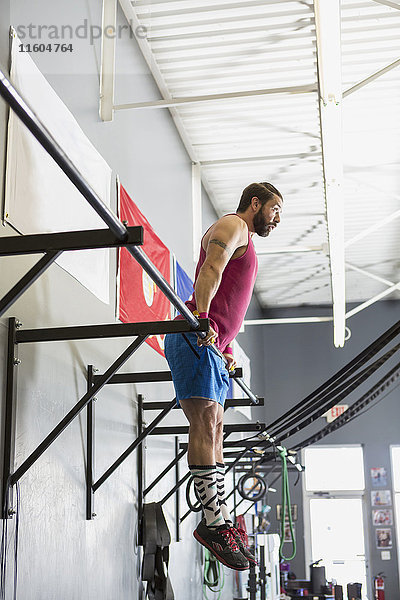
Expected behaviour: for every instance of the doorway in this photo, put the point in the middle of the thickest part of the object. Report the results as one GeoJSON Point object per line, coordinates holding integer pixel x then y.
{"type": "Point", "coordinates": [334, 511]}
{"type": "Point", "coordinates": [337, 536]}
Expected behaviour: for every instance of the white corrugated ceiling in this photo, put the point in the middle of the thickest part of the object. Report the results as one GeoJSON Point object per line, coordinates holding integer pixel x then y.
{"type": "Point", "coordinates": [251, 47]}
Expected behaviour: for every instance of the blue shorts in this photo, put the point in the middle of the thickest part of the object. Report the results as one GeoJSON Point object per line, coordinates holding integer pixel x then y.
{"type": "Point", "coordinates": [203, 377]}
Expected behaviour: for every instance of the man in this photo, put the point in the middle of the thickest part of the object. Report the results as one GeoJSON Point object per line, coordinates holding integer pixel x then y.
{"type": "Point", "coordinates": [224, 282]}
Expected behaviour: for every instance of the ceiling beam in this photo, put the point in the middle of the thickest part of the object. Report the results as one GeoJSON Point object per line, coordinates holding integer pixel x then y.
{"type": "Point", "coordinates": [241, 159]}
{"type": "Point", "coordinates": [107, 78]}
{"type": "Point", "coordinates": [208, 8]}
{"type": "Point", "coordinates": [145, 48]}
{"type": "Point", "coordinates": [364, 305]}
{"type": "Point", "coordinates": [328, 28]}
{"type": "Point", "coordinates": [287, 321]}
{"type": "Point", "coordinates": [369, 274]}
{"type": "Point", "coordinates": [291, 249]}
{"type": "Point", "coordinates": [173, 102]}
{"type": "Point", "coordinates": [371, 230]}
{"type": "Point", "coordinates": [388, 3]}
{"type": "Point", "coordinates": [372, 77]}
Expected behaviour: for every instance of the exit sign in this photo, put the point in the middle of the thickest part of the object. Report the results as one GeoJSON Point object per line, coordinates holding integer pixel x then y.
{"type": "Point", "coordinates": [335, 412]}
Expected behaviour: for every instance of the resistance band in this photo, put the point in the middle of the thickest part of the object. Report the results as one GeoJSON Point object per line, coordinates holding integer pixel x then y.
{"type": "Point", "coordinates": [212, 575]}
{"type": "Point", "coordinates": [286, 503]}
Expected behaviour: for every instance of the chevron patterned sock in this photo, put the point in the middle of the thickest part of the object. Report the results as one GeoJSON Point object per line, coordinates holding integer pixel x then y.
{"type": "Point", "coordinates": [221, 493]}
{"type": "Point", "coordinates": [205, 480]}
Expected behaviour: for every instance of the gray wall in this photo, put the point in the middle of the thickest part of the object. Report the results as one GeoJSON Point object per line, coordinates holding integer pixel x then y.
{"type": "Point", "coordinates": [61, 555]}
{"type": "Point", "coordinates": [299, 358]}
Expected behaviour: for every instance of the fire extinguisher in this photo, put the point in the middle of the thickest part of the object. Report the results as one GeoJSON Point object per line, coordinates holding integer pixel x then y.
{"type": "Point", "coordinates": [379, 587]}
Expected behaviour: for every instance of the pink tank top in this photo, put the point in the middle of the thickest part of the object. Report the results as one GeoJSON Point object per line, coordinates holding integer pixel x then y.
{"type": "Point", "coordinates": [230, 303]}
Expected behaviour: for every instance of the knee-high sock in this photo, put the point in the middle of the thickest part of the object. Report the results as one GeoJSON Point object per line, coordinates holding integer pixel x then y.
{"type": "Point", "coordinates": [221, 493]}
{"type": "Point", "coordinates": [205, 480]}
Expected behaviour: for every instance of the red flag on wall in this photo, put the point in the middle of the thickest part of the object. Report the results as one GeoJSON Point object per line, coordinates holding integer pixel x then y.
{"type": "Point", "coordinates": [139, 297]}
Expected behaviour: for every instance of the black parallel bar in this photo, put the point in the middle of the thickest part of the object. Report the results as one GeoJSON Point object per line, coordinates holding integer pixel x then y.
{"type": "Point", "coordinates": [9, 419]}
{"type": "Point", "coordinates": [167, 290]}
{"type": "Point", "coordinates": [44, 137]}
{"type": "Point", "coordinates": [134, 445]}
{"type": "Point", "coordinates": [184, 429]}
{"type": "Point", "coordinates": [86, 332]}
{"type": "Point", "coordinates": [165, 287]}
{"type": "Point", "coordinates": [53, 435]}
{"type": "Point", "coordinates": [90, 452]}
{"type": "Point", "coordinates": [245, 444]}
{"type": "Point", "coordinates": [154, 376]}
{"type": "Point", "coordinates": [176, 487]}
{"type": "Point", "coordinates": [140, 466]}
{"type": "Point", "coordinates": [231, 403]}
{"type": "Point", "coordinates": [247, 390]}
{"type": "Point", "coordinates": [26, 281]}
{"type": "Point", "coordinates": [177, 507]}
{"type": "Point", "coordinates": [172, 464]}
{"type": "Point", "coordinates": [67, 240]}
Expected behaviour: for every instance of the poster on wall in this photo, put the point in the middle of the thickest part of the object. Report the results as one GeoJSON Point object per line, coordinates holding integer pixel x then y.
{"type": "Point", "coordinates": [384, 538]}
{"type": "Point", "coordinates": [379, 477]}
{"type": "Point", "coordinates": [288, 534]}
{"type": "Point", "coordinates": [39, 197]}
{"type": "Point", "coordinates": [139, 297]}
{"type": "Point", "coordinates": [381, 498]}
{"type": "Point", "coordinates": [382, 516]}
{"type": "Point", "coordinates": [293, 511]}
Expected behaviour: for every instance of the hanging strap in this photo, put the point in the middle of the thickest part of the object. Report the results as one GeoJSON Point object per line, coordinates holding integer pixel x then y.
{"type": "Point", "coordinates": [286, 504]}
{"type": "Point", "coordinates": [156, 540]}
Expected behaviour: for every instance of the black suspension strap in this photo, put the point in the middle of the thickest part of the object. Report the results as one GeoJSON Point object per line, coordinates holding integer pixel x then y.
{"type": "Point", "coordinates": [340, 376]}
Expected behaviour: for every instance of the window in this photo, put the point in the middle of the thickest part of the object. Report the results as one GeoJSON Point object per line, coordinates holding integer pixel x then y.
{"type": "Point", "coordinates": [334, 468]}
{"type": "Point", "coordinates": [396, 489]}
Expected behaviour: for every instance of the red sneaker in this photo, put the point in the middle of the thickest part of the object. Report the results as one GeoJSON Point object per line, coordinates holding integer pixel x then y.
{"type": "Point", "coordinates": [243, 542]}
{"type": "Point", "coordinates": [222, 544]}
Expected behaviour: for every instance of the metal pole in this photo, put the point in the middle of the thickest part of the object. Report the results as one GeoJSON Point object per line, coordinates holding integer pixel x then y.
{"type": "Point", "coordinates": [173, 463]}
{"type": "Point", "coordinates": [44, 137]}
{"type": "Point", "coordinates": [134, 445]}
{"type": "Point", "coordinates": [26, 281]}
{"type": "Point", "coordinates": [140, 469]}
{"type": "Point", "coordinates": [9, 419]}
{"type": "Point", "coordinates": [177, 507]}
{"type": "Point", "coordinates": [32, 458]}
{"type": "Point", "coordinates": [90, 437]}
{"type": "Point", "coordinates": [263, 573]}
{"type": "Point", "coordinates": [177, 486]}
{"type": "Point", "coordinates": [247, 390]}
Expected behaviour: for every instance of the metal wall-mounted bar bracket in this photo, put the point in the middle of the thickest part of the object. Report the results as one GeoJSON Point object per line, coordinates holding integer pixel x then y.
{"type": "Point", "coordinates": [9, 419]}
{"type": "Point", "coordinates": [90, 450]}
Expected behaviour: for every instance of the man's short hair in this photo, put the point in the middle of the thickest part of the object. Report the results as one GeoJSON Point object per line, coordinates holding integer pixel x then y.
{"type": "Point", "coordinates": [263, 191]}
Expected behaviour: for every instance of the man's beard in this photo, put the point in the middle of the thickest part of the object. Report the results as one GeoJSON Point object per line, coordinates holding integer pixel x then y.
{"type": "Point", "coordinates": [260, 226]}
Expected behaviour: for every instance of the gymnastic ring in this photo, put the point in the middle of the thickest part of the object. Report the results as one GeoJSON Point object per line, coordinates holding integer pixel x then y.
{"type": "Point", "coordinates": [193, 507]}
{"type": "Point", "coordinates": [260, 483]}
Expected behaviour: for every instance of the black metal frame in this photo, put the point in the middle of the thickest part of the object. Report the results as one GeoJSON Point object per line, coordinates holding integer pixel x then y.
{"type": "Point", "coordinates": [152, 429]}
{"type": "Point", "coordinates": [52, 245]}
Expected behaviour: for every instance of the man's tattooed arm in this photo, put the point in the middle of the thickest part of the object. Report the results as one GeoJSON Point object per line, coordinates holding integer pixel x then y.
{"type": "Point", "coordinates": [223, 245]}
